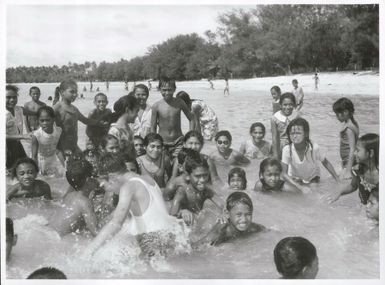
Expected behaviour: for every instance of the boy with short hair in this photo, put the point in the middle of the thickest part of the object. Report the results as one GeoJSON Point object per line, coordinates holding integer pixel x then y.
{"type": "Point", "coordinates": [34, 105]}
{"type": "Point", "coordinates": [96, 133]}
{"type": "Point", "coordinates": [77, 210]}
{"type": "Point", "coordinates": [298, 93]}
{"type": "Point", "coordinates": [166, 115]}
{"type": "Point", "coordinates": [11, 238]}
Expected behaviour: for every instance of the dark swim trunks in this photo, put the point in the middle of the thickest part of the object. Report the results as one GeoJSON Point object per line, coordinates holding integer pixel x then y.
{"type": "Point", "coordinates": [173, 148]}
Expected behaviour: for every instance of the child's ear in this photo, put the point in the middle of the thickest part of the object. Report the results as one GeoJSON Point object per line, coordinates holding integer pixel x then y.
{"type": "Point", "coordinates": [14, 240]}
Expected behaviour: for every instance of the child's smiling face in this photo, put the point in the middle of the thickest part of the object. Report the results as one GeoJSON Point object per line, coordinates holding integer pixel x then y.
{"type": "Point", "coordinates": [271, 175]}
{"type": "Point", "coordinates": [167, 91]}
{"type": "Point", "coordinates": [10, 99]}
{"type": "Point", "coordinates": [236, 182]}
{"type": "Point", "coordinates": [70, 93]}
{"type": "Point", "coordinates": [223, 144]}
{"type": "Point", "coordinates": [35, 94]}
{"type": "Point", "coordinates": [193, 143]}
{"type": "Point", "coordinates": [240, 216]}
{"type": "Point", "coordinates": [257, 134]}
{"type": "Point", "coordinates": [26, 174]}
{"type": "Point", "coordinates": [199, 178]}
{"type": "Point", "coordinates": [101, 102]}
{"type": "Point", "coordinates": [287, 106]}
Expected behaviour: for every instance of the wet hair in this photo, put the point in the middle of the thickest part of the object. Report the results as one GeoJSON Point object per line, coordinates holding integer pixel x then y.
{"type": "Point", "coordinates": [49, 98]}
{"type": "Point", "coordinates": [46, 109]}
{"type": "Point", "coordinates": [225, 134]}
{"type": "Point", "coordinates": [344, 104]}
{"type": "Point", "coordinates": [120, 106]}
{"type": "Point", "coordinates": [187, 152]}
{"type": "Point", "coordinates": [372, 142]}
{"type": "Point", "coordinates": [269, 162]}
{"type": "Point", "coordinates": [9, 229]}
{"type": "Point", "coordinates": [185, 97]}
{"type": "Point", "coordinates": [100, 94]}
{"type": "Point", "coordinates": [294, 81]}
{"type": "Point", "coordinates": [47, 273]}
{"type": "Point", "coordinates": [137, 137]}
{"type": "Point", "coordinates": [110, 162]}
{"type": "Point", "coordinates": [34, 88]}
{"type": "Point", "coordinates": [13, 88]}
{"type": "Point", "coordinates": [78, 170]}
{"type": "Point", "coordinates": [287, 95]}
{"type": "Point", "coordinates": [193, 134]}
{"type": "Point", "coordinates": [241, 173]}
{"type": "Point", "coordinates": [276, 89]}
{"type": "Point", "coordinates": [130, 159]}
{"type": "Point", "coordinates": [300, 122]}
{"type": "Point", "coordinates": [151, 137]}
{"type": "Point", "coordinates": [238, 197]}
{"type": "Point", "coordinates": [65, 84]}
{"type": "Point", "coordinates": [258, 124]}
{"type": "Point", "coordinates": [104, 141]}
{"type": "Point", "coordinates": [142, 86]}
{"type": "Point", "coordinates": [193, 162]}
{"type": "Point", "coordinates": [292, 254]}
{"type": "Point", "coordinates": [23, 160]}
{"type": "Point", "coordinates": [167, 81]}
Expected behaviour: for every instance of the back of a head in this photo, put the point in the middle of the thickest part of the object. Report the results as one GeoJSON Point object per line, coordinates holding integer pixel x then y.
{"type": "Point", "coordinates": [125, 102]}
{"type": "Point", "coordinates": [292, 255]}
{"type": "Point", "coordinates": [78, 170]}
{"type": "Point", "coordinates": [47, 273]}
{"type": "Point", "coordinates": [185, 97]}
{"type": "Point", "coordinates": [238, 197]}
{"type": "Point", "coordinates": [112, 163]}
{"type": "Point", "coordinates": [193, 162]}
{"type": "Point", "coordinates": [372, 142]}
{"type": "Point", "coordinates": [343, 104]}
{"type": "Point", "coordinates": [185, 153]}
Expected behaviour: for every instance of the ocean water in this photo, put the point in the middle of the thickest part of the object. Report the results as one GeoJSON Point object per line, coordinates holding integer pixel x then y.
{"type": "Point", "coordinates": [347, 242]}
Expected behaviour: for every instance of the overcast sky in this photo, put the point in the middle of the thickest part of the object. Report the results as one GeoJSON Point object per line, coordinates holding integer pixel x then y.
{"type": "Point", "coordinates": [48, 35]}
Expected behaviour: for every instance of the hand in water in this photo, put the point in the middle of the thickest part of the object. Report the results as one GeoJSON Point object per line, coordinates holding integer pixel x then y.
{"type": "Point", "coordinates": [187, 217]}
{"type": "Point", "coordinates": [333, 197]}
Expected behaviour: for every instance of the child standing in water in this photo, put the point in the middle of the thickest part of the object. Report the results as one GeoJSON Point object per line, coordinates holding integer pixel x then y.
{"type": "Point", "coordinates": [101, 112]}
{"type": "Point", "coordinates": [349, 133]}
{"type": "Point", "coordinates": [301, 156]}
{"type": "Point", "coordinates": [32, 123]}
{"type": "Point", "coordinates": [276, 94]}
{"type": "Point", "coordinates": [256, 147]}
{"type": "Point", "coordinates": [166, 115]}
{"type": "Point", "coordinates": [67, 116]}
{"type": "Point", "coordinates": [45, 141]}
{"type": "Point", "coordinates": [206, 120]}
{"type": "Point", "coordinates": [280, 121]}
{"type": "Point", "coordinates": [142, 125]}
{"type": "Point", "coordinates": [366, 172]}
{"type": "Point", "coordinates": [25, 171]}
{"type": "Point", "coordinates": [239, 223]}
{"type": "Point", "coordinates": [296, 258]}
{"type": "Point", "coordinates": [298, 93]}
{"type": "Point", "coordinates": [237, 179]}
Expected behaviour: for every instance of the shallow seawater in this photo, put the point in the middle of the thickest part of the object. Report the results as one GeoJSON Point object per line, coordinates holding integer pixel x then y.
{"type": "Point", "coordinates": [347, 242]}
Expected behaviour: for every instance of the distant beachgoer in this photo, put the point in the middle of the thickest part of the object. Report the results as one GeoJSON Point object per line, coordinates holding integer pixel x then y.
{"type": "Point", "coordinates": [49, 98]}
{"type": "Point", "coordinates": [47, 273]}
{"type": "Point", "coordinates": [97, 89]}
{"type": "Point", "coordinates": [227, 87]}
{"type": "Point", "coordinates": [206, 120]}
{"type": "Point", "coordinates": [349, 133]}
{"type": "Point", "coordinates": [276, 94]}
{"type": "Point", "coordinates": [166, 116]}
{"type": "Point", "coordinates": [149, 84]}
{"type": "Point", "coordinates": [107, 85]}
{"type": "Point", "coordinates": [142, 125]}
{"type": "Point", "coordinates": [126, 85]}
{"type": "Point", "coordinates": [91, 86]}
{"type": "Point", "coordinates": [84, 89]}
{"type": "Point", "coordinates": [296, 258]}
{"type": "Point", "coordinates": [256, 147]}
{"type": "Point", "coordinates": [56, 96]}
{"type": "Point", "coordinates": [32, 123]}
{"type": "Point", "coordinates": [316, 81]}
{"type": "Point", "coordinates": [298, 93]}
{"type": "Point", "coordinates": [211, 84]}
{"type": "Point", "coordinates": [372, 207]}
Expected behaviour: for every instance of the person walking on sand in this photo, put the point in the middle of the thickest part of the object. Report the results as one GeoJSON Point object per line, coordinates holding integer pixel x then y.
{"type": "Point", "coordinates": [227, 88]}
{"type": "Point", "coordinates": [316, 81]}
{"type": "Point", "coordinates": [211, 84]}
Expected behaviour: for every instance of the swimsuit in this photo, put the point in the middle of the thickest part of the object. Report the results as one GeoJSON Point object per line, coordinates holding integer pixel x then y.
{"type": "Point", "coordinates": [344, 141]}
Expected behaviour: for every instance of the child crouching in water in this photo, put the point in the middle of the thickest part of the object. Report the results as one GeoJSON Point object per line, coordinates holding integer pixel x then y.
{"type": "Point", "coordinates": [301, 156]}
{"type": "Point", "coordinates": [296, 258]}
{"type": "Point", "coordinates": [239, 215]}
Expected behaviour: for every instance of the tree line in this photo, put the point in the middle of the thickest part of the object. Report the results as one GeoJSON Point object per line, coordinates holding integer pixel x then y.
{"type": "Point", "coordinates": [263, 41]}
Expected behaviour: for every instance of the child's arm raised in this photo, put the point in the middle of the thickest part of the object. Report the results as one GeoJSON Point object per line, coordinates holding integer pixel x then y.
{"type": "Point", "coordinates": [154, 117]}
{"type": "Point", "coordinates": [330, 168]}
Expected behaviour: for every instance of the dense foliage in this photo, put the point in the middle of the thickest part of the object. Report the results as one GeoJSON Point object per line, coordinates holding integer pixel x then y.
{"type": "Point", "coordinates": [266, 40]}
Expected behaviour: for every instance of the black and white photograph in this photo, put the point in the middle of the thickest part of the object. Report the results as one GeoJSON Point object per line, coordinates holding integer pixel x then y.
{"type": "Point", "coordinates": [191, 141]}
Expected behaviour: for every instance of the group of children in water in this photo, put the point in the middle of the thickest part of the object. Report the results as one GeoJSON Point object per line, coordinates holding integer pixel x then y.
{"type": "Point", "coordinates": [138, 167]}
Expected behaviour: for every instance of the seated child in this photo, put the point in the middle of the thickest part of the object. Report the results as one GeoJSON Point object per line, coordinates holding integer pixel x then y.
{"type": "Point", "coordinates": [237, 179]}
{"type": "Point", "coordinates": [25, 171]}
{"type": "Point", "coordinates": [372, 207]}
{"type": "Point", "coordinates": [47, 273]}
{"type": "Point", "coordinates": [77, 211]}
{"type": "Point", "coordinates": [189, 198]}
{"type": "Point", "coordinates": [239, 214]}
{"type": "Point", "coordinates": [225, 155]}
{"type": "Point", "coordinates": [33, 106]}
{"type": "Point", "coordinates": [301, 156]}
{"type": "Point", "coordinates": [296, 258]}
{"type": "Point", "coordinates": [270, 172]}
{"type": "Point", "coordinates": [256, 147]}
{"type": "Point", "coordinates": [139, 146]}
{"type": "Point", "coordinates": [11, 238]}
{"type": "Point", "coordinates": [366, 172]}
{"type": "Point", "coordinates": [95, 133]}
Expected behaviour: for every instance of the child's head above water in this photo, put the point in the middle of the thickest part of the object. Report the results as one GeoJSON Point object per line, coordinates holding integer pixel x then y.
{"type": "Point", "coordinates": [46, 118]}
{"type": "Point", "coordinates": [110, 144]}
{"type": "Point", "coordinates": [77, 173]}
{"type": "Point", "coordinates": [47, 273]}
{"type": "Point", "coordinates": [153, 143]}
{"type": "Point", "coordinates": [275, 92]}
{"type": "Point", "coordinates": [185, 97]}
{"type": "Point", "coordinates": [237, 179]}
{"type": "Point", "coordinates": [34, 92]}
{"type": "Point", "coordinates": [298, 131]}
{"type": "Point", "coordinates": [223, 140]}
{"type": "Point", "coordinates": [344, 110]}
{"type": "Point", "coordinates": [11, 238]}
{"type": "Point", "coordinates": [296, 258]}
{"type": "Point", "coordinates": [239, 210]}
{"type": "Point", "coordinates": [139, 145]}
{"type": "Point", "coordinates": [101, 101]}
{"type": "Point", "coordinates": [257, 131]}
{"type": "Point", "coordinates": [270, 171]}
{"type": "Point", "coordinates": [368, 149]}
{"type": "Point", "coordinates": [372, 207]}
{"type": "Point", "coordinates": [198, 170]}
{"type": "Point", "coordinates": [193, 140]}
{"type": "Point", "coordinates": [288, 103]}
{"type": "Point", "coordinates": [25, 170]}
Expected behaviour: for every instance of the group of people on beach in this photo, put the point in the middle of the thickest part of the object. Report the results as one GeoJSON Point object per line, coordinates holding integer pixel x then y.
{"type": "Point", "coordinates": [140, 176]}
